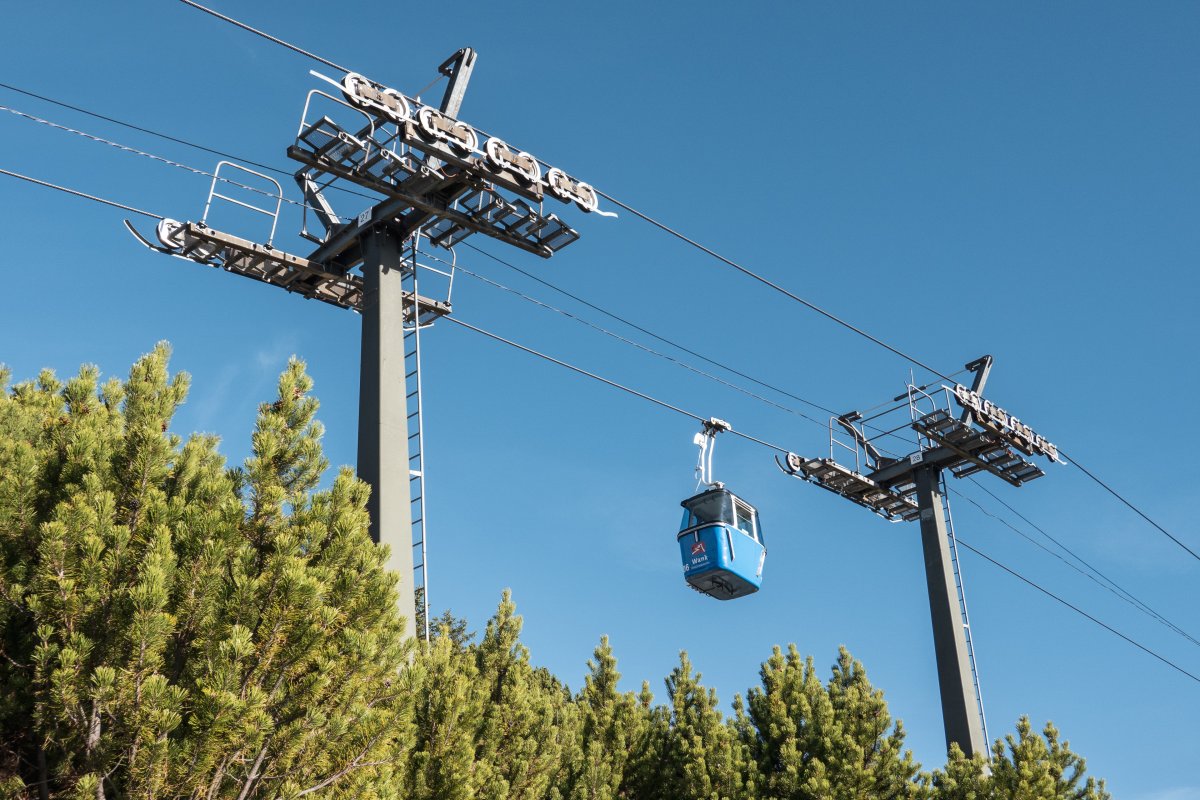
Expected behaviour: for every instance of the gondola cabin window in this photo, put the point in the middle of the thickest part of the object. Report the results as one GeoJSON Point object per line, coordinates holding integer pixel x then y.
{"type": "Point", "coordinates": [746, 520]}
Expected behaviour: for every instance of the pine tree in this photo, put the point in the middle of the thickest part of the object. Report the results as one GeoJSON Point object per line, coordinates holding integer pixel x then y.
{"type": "Point", "coordinates": [453, 627]}
{"type": "Point", "coordinates": [523, 732]}
{"type": "Point", "coordinates": [608, 725]}
{"type": "Point", "coordinates": [699, 754]}
{"type": "Point", "coordinates": [448, 701]}
{"type": "Point", "coordinates": [1025, 767]}
{"type": "Point", "coordinates": [963, 778]}
{"type": "Point", "coordinates": [816, 741]}
{"type": "Point", "coordinates": [646, 773]}
{"type": "Point", "coordinates": [176, 629]}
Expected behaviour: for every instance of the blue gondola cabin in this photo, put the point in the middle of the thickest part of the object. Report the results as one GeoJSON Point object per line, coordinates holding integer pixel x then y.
{"type": "Point", "coordinates": [721, 544]}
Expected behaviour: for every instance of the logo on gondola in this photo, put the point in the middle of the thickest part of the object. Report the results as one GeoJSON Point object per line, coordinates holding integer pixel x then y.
{"type": "Point", "coordinates": [698, 549]}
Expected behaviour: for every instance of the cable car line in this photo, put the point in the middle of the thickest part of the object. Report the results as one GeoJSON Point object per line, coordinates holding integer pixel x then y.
{"type": "Point", "coordinates": [1077, 610]}
{"type": "Point", "coordinates": [1118, 592]}
{"type": "Point", "coordinates": [1133, 599]}
{"type": "Point", "coordinates": [277, 170]}
{"type": "Point", "coordinates": [84, 195]}
{"type": "Point", "coordinates": [511, 266]}
{"type": "Point", "coordinates": [634, 392]}
{"type": "Point", "coordinates": [632, 210]}
{"type": "Point", "coordinates": [749, 273]}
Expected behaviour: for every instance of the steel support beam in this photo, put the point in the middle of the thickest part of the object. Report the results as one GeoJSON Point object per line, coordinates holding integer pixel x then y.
{"type": "Point", "coordinates": [981, 366]}
{"type": "Point", "coordinates": [902, 469]}
{"type": "Point", "coordinates": [960, 702]}
{"type": "Point", "coordinates": [457, 68]}
{"type": "Point", "coordinates": [382, 410]}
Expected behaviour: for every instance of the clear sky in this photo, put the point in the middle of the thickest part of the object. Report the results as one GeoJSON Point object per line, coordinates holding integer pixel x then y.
{"type": "Point", "coordinates": [1015, 179]}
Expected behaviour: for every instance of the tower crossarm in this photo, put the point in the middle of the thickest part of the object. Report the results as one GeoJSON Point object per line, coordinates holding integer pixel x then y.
{"type": "Point", "coordinates": [483, 220]}
{"type": "Point", "coordinates": [887, 502]}
{"type": "Point", "coordinates": [977, 450]}
{"type": "Point", "coordinates": [311, 279]}
{"type": "Point", "coordinates": [270, 265]}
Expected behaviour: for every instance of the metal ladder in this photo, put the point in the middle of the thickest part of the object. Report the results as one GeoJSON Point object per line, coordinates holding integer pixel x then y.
{"type": "Point", "coordinates": [416, 459]}
{"type": "Point", "coordinates": [962, 608]}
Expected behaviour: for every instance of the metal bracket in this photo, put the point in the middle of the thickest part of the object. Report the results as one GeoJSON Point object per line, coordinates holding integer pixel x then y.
{"type": "Point", "coordinates": [156, 248]}
{"type": "Point", "coordinates": [457, 68]}
{"type": "Point", "coordinates": [891, 504]}
{"type": "Point", "coordinates": [199, 243]}
{"type": "Point", "coordinates": [846, 421]}
{"type": "Point", "coordinates": [981, 367]}
{"type": "Point", "coordinates": [706, 440]}
{"type": "Point", "coordinates": [316, 201]}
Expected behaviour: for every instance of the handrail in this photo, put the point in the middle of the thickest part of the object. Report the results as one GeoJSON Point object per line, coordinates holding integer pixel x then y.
{"type": "Point", "coordinates": [212, 192]}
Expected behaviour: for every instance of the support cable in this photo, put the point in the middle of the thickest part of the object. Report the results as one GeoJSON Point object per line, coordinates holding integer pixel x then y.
{"type": "Point", "coordinates": [1078, 610]}
{"type": "Point", "coordinates": [84, 195]}
{"type": "Point", "coordinates": [1108, 583]}
{"type": "Point", "coordinates": [613, 384]}
{"type": "Point", "coordinates": [264, 35]}
{"type": "Point", "coordinates": [282, 43]}
{"type": "Point", "coordinates": [649, 333]}
{"type": "Point", "coordinates": [144, 154]}
{"type": "Point", "coordinates": [138, 128]}
{"type": "Point", "coordinates": [620, 338]}
{"type": "Point", "coordinates": [770, 284]}
{"type": "Point", "coordinates": [878, 431]}
{"type": "Point", "coordinates": [1137, 510]}
{"type": "Point", "coordinates": [1114, 588]}
{"type": "Point", "coordinates": [168, 137]}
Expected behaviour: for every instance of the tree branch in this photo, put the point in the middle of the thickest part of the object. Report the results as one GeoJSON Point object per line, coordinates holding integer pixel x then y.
{"type": "Point", "coordinates": [253, 776]}
{"type": "Point", "coordinates": [353, 765]}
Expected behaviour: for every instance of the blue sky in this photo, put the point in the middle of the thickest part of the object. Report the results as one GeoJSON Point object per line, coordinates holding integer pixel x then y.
{"type": "Point", "coordinates": [1019, 180]}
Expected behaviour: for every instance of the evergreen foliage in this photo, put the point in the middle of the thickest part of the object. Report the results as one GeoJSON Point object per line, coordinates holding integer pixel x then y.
{"type": "Point", "coordinates": [608, 726]}
{"type": "Point", "coordinates": [173, 628]}
{"type": "Point", "coordinates": [701, 752]}
{"type": "Point", "coordinates": [1025, 767]}
{"type": "Point", "coordinates": [811, 740]}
